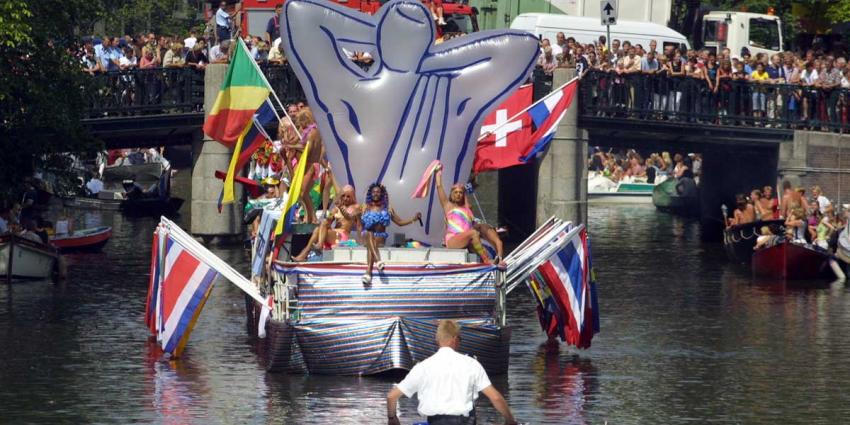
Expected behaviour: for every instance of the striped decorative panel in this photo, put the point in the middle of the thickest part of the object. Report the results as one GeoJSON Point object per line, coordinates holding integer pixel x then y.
{"type": "Point", "coordinates": [333, 291]}
{"type": "Point", "coordinates": [365, 347]}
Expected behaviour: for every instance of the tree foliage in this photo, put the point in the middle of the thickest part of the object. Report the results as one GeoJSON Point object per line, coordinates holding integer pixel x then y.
{"type": "Point", "coordinates": [42, 97]}
{"type": "Point", "coordinates": [171, 17]}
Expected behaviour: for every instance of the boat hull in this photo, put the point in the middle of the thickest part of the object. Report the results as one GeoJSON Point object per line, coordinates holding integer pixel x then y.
{"type": "Point", "coordinates": [345, 328]}
{"type": "Point", "coordinates": [789, 261]}
{"type": "Point", "coordinates": [93, 203]}
{"type": "Point", "coordinates": [24, 259]}
{"type": "Point", "coordinates": [739, 241]}
{"type": "Point", "coordinates": [83, 240]}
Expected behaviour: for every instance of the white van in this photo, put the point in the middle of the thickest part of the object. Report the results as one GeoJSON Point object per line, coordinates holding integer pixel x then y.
{"type": "Point", "coordinates": [588, 30]}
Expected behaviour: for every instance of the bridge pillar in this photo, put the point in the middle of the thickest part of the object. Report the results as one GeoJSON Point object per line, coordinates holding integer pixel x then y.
{"type": "Point", "coordinates": [209, 156]}
{"type": "Point", "coordinates": [562, 175]}
{"type": "Point", "coordinates": [817, 158]}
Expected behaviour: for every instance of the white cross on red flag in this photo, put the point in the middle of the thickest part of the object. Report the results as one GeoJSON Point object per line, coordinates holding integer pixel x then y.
{"type": "Point", "coordinates": [509, 140]}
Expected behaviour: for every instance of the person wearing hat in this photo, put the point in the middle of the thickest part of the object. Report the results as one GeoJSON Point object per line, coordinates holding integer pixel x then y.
{"type": "Point", "coordinates": [447, 384]}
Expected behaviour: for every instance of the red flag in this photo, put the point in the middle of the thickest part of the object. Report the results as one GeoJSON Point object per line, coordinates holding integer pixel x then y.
{"type": "Point", "coordinates": [510, 140]}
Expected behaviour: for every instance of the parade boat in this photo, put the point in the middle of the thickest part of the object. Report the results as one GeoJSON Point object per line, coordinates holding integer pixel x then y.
{"type": "Point", "coordinates": [22, 258]}
{"type": "Point", "coordinates": [677, 196]}
{"type": "Point", "coordinates": [739, 240]}
{"type": "Point", "coordinates": [791, 261]}
{"type": "Point", "coordinates": [90, 240]}
{"type": "Point", "coordinates": [144, 172]}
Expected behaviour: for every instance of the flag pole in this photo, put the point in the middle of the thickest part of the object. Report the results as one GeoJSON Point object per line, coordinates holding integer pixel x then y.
{"type": "Point", "coordinates": [525, 109]}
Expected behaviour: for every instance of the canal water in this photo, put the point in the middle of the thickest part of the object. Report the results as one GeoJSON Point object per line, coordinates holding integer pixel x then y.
{"type": "Point", "coordinates": [686, 338]}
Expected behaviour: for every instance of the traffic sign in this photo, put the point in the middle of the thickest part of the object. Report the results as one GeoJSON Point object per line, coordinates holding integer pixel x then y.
{"type": "Point", "coordinates": [608, 12]}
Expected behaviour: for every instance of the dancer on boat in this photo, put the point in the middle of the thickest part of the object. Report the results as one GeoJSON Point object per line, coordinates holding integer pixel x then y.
{"type": "Point", "coordinates": [375, 217]}
{"type": "Point", "coordinates": [460, 222]}
{"type": "Point", "coordinates": [337, 226]}
{"type": "Point", "coordinates": [309, 134]}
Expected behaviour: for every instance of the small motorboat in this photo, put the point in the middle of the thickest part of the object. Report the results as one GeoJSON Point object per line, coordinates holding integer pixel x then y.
{"type": "Point", "coordinates": [83, 240]}
{"type": "Point", "coordinates": [105, 201]}
{"type": "Point", "coordinates": [791, 261]}
{"type": "Point", "coordinates": [677, 196]}
{"type": "Point", "coordinates": [601, 189]}
{"type": "Point", "coordinates": [148, 171]}
{"type": "Point", "coordinates": [21, 258]}
{"type": "Point", "coordinates": [739, 240]}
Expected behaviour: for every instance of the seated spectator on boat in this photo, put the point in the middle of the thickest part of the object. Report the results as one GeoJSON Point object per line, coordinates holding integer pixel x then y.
{"type": "Point", "coordinates": [744, 211]}
{"type": "Point", "coordinates": [133, 190]}
{"type": "Point", "coordinates": [336, 227]}
{"type": "Point", "coordinates": [460, 232]}
{"type": "Point", "coordinates": [795, 226]}
{"type": "Point", "coordinates": [375, 217]}
{"type": "Point", "coordinates": [94, 186]}
{"type": "Point", "coordinates": [30, 232]}
{"type": "Point", "coordinates": [766, 239]}
{"type": "Point", "coordinates": [680, 170]}
{"type": "Point", "coordinates": [821, 201]}
{"type": "Point", "coordinates": [269, 199]}
{"type": "Point", "coordinates": [825, 228]}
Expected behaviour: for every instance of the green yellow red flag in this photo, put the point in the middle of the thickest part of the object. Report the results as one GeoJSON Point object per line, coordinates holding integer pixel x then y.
{"type": "Point", "coordinates": [288, 212]}
{"type": "Point", "coordinates": [243, 91]}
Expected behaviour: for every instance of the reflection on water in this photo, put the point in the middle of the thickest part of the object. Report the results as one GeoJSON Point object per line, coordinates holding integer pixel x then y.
{"type": "Point", "coordinates": [686, 338]}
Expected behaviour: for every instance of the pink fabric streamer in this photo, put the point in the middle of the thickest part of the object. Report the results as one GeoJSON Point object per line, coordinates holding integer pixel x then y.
{"type": "Point", "coordinates": [421, 190]}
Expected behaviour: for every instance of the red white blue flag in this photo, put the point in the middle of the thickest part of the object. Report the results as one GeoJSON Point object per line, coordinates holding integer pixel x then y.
{"type": "Point", "coordinates": [566, 293]}
{"type": "Point", "coordinates": [179, 286]}
{"type": "Point", "coordinates": [547, 115]}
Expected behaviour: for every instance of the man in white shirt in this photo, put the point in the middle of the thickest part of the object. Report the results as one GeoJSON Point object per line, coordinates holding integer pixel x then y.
{"type": "Point", "coordinates": [94, 186]}
{"type": "Point", "coordinates": [223, 22]}
{"type": "Point", "coordinates": [447, 384]}
{"type": "Point", "coordinates": [190, 41]}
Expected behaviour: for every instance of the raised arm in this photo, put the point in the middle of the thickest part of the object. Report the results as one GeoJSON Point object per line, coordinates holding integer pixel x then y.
{"type": "Point", "coordinates": [441, 191]}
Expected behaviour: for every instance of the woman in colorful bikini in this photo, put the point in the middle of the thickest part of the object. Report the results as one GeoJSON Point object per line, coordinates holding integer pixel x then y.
{"type": "Point", "coordinates": [375, 217]}
{"type": "Point", "coordinates": [337, 226]}
{"type": "Point", "coordinates": [460, 222]}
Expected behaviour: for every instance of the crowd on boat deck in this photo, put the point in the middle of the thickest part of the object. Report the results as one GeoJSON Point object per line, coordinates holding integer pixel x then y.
{"type": "Point", "coordinates": [25, 218]}
{"type": "Point", "coordinates": [630, 165]}
{"type": "Point", "coordinates": [340, 218]}
{"type": "Point", "coordinates": [806, 218]}
{"type": "Point", "coordinates": [808, 88]}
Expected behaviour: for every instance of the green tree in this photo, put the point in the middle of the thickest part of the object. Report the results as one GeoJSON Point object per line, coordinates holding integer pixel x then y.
{"type": "Point", "coordinates": [171, 17]}
{"type": "Point", "coordinates": [41, 86]}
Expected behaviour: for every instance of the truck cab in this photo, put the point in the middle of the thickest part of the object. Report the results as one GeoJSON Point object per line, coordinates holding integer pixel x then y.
{"type": "Point", "coordinates": [757, 32]}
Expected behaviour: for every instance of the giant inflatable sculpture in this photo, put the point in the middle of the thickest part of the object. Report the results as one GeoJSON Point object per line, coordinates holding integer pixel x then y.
{"type": "Point", "coordinates": [419, 101]}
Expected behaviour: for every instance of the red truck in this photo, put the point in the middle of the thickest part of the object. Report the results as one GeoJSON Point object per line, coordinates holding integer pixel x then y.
{"type": "Point", "coordinates": [255, 14]}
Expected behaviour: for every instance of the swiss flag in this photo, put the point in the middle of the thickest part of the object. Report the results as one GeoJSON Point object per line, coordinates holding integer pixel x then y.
{"type": "Point", "coordinates": [510, 140]}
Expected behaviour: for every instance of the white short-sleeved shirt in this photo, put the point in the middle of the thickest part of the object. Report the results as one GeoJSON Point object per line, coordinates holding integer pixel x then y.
{"type": "Point", "coordinates": [189, 42]}
{"type": "Point", "coordinates": [447, 383]}
{"type": "Point", "coordinates": [222, 18]}
{"type": "Point", "coordinates": [823, 202]}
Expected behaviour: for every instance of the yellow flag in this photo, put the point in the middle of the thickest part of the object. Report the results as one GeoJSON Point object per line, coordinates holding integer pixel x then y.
{"type": "Point", "coordinates": [228, 195]}
{"type": "Point", "coordinates": [294, 191]}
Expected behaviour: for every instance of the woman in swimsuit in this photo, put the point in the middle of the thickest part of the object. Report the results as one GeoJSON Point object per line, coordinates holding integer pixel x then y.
{"type": "Point", "coordinates": [309, 134]}
{"type": "Point", "coordinates": [375, 217]}
{"type": "Point", "coordinates": [337, 226]}
{"type": "Point", "coordinates": [460, 222]}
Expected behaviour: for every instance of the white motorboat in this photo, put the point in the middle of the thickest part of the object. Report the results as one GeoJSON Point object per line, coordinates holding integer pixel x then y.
{"type": "Point", "coordinates": [630, 190]}
{"type": "Point", "coordinates": [22, 258]}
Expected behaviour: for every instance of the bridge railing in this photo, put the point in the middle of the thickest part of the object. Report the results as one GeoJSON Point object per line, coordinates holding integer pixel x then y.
{"type": "Point", "coordinates": [731, 103]}
{"type": "Point", "coordinates": [169, 90]}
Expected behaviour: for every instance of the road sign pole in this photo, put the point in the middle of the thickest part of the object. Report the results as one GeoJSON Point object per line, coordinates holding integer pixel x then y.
{"type": "Point", "coordinates": [609, 43]}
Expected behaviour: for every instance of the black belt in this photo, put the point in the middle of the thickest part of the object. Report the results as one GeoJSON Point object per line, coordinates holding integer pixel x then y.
{"type": "Point", "coordinates": [451, 420]}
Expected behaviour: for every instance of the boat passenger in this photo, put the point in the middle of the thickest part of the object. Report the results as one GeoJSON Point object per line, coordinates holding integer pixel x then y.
{"type": "Point", "coordinates": [309, 134]}
{"type": "Point", "coordinates": [460, 229]}
{"type": "Point", "coordinates": [789, 199]}
{"type": "Point", "coordinates": [804, 203]}
{"type": "Point", "coordinates": [825, 228]}
{"type": "Point", "coordinates": [30, 232]}
{"type": "Point", "coordinates": [762, 211]}
{"type": "Point", "coordinates": [795, 226]}
{"type": "Point", "coordinates": [335, 228]}
{"type": "Point", "coordinates": [821, 202]}
{"type": "Point", "coordinates": [375, 216]}
{"type": "Point", "coordinates": [94, 186]}
{"type": "Point", "coordinates": [769, 203]}
{"type": "Point", "coordinates": [766, 239]}
{"type": "Point", "coordinates": [132, 190]}
{"type": "Point", "coordinates": [744, 211]}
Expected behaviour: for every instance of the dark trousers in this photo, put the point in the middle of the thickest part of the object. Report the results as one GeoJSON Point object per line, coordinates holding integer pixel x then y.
{"type": "Point", "coordinates": [223, 33]}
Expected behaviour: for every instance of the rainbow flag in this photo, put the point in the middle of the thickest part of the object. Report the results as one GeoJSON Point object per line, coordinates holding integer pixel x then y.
{"type": "Point", "coordinates": [243, 91]}
{"type": "Point", "coordinates": [294, 192]}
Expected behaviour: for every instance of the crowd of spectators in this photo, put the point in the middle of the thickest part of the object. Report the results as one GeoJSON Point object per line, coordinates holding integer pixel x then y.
{"type": "Point", "coordinates": [810, 89]}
